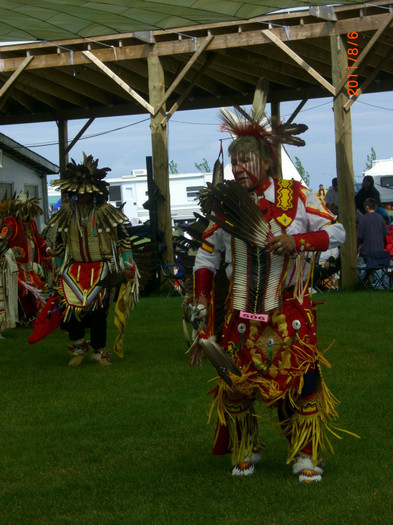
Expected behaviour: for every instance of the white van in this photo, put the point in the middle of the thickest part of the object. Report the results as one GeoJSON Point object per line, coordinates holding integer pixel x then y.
{"type": "Point", "coordinates": [382, 173]}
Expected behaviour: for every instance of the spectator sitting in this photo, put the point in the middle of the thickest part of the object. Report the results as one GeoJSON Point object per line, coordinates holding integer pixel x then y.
{"type": "Point", "coordinates": [326, 267]}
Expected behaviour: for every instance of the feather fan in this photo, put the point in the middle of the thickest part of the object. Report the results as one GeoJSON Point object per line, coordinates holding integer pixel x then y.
{"type": "Point", "coordinates": [236, 212]}
{"type": "Point", "coordinates": [221, 361]}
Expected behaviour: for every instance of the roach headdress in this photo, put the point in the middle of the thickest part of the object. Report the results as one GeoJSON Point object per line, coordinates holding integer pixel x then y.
{"type": "Point", "coordinates": [83, 178]}
{"type": "Point", "coordinates": [240, 124]}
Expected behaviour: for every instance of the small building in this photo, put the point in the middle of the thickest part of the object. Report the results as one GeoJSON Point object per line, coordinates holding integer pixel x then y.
{"type": "Point", "coordinates": [23, 171]}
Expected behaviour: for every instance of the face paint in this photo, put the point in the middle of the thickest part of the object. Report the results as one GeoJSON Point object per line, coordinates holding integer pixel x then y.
{"type": "Point", "coordinates": [248, 169]}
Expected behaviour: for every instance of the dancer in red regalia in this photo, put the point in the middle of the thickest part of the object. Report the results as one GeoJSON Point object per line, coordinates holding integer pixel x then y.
{"type": "Point", "coordinates": [268, 230]}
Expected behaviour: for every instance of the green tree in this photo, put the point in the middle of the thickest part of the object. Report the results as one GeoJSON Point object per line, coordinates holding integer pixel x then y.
{"type": "Point", "coordinates": [173, 167]}
{"type": "Point", "coordinates": [303, 173]}
{"type": "Point", "coordinates": [370, 158]}
{"type": "Point", "coordinates": [203, 166]}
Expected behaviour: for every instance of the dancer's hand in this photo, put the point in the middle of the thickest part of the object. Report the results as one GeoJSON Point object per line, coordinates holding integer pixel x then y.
{"type": "Point", "coordinates": [281, 245]}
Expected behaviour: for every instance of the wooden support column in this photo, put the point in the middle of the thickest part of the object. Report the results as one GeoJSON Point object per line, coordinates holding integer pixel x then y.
{"type": "Point", "coordinates": [275, 108]}
{"type": "Point", "coordinates": [344, 165]}
{"type": "Point", "coordinates": [63, 144]}
{"type": "Point", "coordinates": [159, 142]}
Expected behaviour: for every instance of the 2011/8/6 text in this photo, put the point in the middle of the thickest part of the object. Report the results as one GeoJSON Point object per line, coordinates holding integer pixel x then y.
{"type": "Point", "coordinates": [352, 52]}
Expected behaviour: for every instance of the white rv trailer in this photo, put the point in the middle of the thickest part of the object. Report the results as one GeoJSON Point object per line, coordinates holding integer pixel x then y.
{"type": "Point", "coordinates": [132, 191]}
{"type": "Point", "coordinates": [382, 173]}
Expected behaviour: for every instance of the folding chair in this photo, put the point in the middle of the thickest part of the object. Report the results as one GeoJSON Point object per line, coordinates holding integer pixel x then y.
{"type": "Point", "coordinates": [375, 275]}
{"type": "Point", "coordinates": [327, 279]}
{"type": "Point", "coordinates": [174, 274]}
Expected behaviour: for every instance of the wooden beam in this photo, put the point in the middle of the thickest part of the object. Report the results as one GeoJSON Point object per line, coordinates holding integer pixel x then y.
{"type": "Point", "coordinates": [118, 81]}
{"type": "Point", "coordinates": [15, 75]}
{"type": "Point", "coordinates": [302, 63]}
{"type": "Point", "coordinates": [275, 109]}
{"type": "Point", "coordinates": [186, 92]}
{"type": "Point", "coordinates": [78, 136]}
{"type": "Point", "coordinates": [159, 141]}
{"type": "Point", "coordinates": [176, 47]}
{"type": "Point", "coordinates": [207, 84]}
{"type": "Point", "coordinates": [184, 71]}
{"type": "Point", "coordinates": [36, 80]}
{"type": "Point", "coordinates": [368, 81]}
{"type": "Point", "coordinates": [361, 58]}
{"type": "Point", "coordinates": [297, 110]}
{"type": "Point", "coordinates": [344, 166]}
{"type": "Point", "coordinates": [39, 94]}
{"type": "Point", "coordinates": [62, 126]}
{"type": "Point", "coordinates": [94, 91]}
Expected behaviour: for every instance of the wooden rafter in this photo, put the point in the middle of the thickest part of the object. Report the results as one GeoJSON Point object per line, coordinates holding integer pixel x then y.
{"type": "Point", "coordinates": [302, 63]}
{"type": "Point", "coordinates": [226, 41]}
{"type": "Point", "coordinates": [297, 110]}
{"type": "Point", "coordinates": [201, 48]}
{"type": "Point", "coordinates": [78, 136]}
{"type": "Point", "coordinates": [368, 81]}
{"type": "Point", "coordinates": [361, 58]}
{"type": "Point", "coordinates": [118, 81]}
{"type": "Point", "coordinates": [185, 93]}
{"type": "Point", "coordinates": [15, 75]}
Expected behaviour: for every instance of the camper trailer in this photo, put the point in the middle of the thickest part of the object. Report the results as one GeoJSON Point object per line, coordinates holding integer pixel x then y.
{"type": "Point", "coordinates": [131, 190]}
{"type": "Point", "coordinates": [382, 173]}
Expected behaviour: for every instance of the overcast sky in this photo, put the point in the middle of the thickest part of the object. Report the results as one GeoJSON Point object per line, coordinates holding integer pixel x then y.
{"type": "Point", "coordinates": [122, 143]}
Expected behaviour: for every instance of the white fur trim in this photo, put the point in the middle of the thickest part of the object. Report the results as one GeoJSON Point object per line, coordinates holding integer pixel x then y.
{"type": "Point", "coordinates": [304, 462]}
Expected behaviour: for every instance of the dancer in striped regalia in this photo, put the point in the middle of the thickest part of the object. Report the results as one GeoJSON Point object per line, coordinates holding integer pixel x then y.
{"type": "Point", "coordinates": [93, 254]}
{"type": "Point", "coordinates": [269, 230]}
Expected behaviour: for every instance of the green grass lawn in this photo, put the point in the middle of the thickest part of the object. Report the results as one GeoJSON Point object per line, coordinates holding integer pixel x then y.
{"type": "Point", "coordinates": [130, 443]}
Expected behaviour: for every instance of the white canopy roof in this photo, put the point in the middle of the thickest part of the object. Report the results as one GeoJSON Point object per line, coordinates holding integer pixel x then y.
{"type": "Point", "coordinates": [66, 19]}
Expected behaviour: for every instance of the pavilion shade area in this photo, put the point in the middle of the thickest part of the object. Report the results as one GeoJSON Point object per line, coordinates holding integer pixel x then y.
{"type": "Point", "coordinates": [48, 20]}
{"type": "Point", "coordinates": [204, 66]}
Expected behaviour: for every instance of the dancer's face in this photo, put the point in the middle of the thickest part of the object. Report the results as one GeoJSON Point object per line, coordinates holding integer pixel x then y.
{"type": "Point", "coordinates": [248, 169]}
{"type": "Point", "coordinates": [85, 198]}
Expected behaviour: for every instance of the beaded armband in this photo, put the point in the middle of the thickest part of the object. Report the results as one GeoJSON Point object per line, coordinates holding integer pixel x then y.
{"type": "Point", "coordinates": [128, 260]}
{"type": "Point", "coordinates": [312, 242]}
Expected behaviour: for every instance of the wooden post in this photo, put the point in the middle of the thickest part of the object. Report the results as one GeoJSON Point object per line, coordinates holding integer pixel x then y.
{"type": "Point", "coordinates": [160, 154]}
{"type": "Point", "coordinates": [63, 145]}
{"type": "Point", "coordinates": [275, 109]}
{"type": "Point", "coordinates": [344, 165]}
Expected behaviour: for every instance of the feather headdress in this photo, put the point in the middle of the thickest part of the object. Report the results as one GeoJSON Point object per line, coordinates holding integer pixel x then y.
{"type": "Point", "coordinates": [4, 205]}
{"type": "Point", "coordinates": [25, 207]}
{"type": "Point", "coordinates": [241, 124]}
{"type": "Point", "coordinates": [83, 178]}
